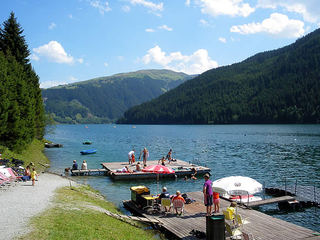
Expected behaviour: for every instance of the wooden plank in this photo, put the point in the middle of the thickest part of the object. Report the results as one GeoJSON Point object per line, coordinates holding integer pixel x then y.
{"type": "Point", "coordinates": [269, 201]}
{"type": "Point", "coordinates": [260, 225]}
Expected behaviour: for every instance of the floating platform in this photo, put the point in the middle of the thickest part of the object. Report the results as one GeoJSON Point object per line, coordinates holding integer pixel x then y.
{"type": "Point", "coordinates": [180, 167]}
{"type": "Point", "coordinates": [259, 225]}
{"type": "Point", "coordinates": [100, 171]}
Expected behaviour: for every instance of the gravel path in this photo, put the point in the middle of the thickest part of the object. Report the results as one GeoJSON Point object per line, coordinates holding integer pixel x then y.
{"type": "Point", "coordinates": [21, 202]}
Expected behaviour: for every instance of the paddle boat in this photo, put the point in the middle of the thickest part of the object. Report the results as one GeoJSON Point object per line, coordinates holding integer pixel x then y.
{"type": "Point", "coordinates": [89, 151]}
{"type": "Point", "coordinates": [238, 188]}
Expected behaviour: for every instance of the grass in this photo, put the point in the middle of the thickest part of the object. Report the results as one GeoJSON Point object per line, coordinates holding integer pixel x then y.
{"type": "Point", "coordinates": [76, 214]}
{"type": "Point", "coordinates": [33, 153]}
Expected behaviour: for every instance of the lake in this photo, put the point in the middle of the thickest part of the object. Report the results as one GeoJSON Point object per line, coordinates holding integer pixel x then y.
{"type": "Point", "coordinates": [268, 153]}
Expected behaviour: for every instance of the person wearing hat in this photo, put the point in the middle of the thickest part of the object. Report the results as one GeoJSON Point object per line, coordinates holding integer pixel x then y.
{"type": "Point", "coordinates": [208, 194]}
{"type": "Point", "coordinates": [164, 194]}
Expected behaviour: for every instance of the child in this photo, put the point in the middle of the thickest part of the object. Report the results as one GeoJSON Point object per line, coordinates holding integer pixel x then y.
{"type": "Point", "coordinates": [133, 158]}
{"type": "Point", "coordinates": [216, 202]}
{"type": "Point", "coordinates": [33, 176]}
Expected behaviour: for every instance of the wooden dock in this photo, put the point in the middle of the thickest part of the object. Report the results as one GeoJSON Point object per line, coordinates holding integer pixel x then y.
{"type": "Point", "coordinates": [180, 167]}
{"type": "Point", "coordinates": [308, 195]}
{"type": "Point", "coordinates": [100, 171]}
{"type": "Point", "coordinates": [260, 225]}
{"type": "Point", "coordinates": [269, 201]}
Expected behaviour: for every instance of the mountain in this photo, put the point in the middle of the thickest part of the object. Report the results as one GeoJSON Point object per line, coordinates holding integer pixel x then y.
{"type": "Point", "coordinates": [105, 99]}
{"type": "Point", "coordinates": [279, 86]}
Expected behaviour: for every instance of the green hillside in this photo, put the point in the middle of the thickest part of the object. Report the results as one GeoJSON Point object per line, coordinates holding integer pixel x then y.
{"type": "Point", "coordinates": [280, 86]}
{"type": "Point", "coordinates": [105, 99]}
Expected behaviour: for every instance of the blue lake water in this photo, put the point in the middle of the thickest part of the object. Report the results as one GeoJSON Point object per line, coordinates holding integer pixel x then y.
{"type": "Point", "coordinates": [267, 153]}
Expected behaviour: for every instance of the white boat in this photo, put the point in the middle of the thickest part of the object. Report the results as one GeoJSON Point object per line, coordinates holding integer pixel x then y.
{"type": "Point", "coordinates": [238, 188]}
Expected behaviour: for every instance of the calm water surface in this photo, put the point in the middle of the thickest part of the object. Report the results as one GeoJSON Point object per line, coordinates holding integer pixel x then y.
{"type": "Point", "coordinates": [267, 153]}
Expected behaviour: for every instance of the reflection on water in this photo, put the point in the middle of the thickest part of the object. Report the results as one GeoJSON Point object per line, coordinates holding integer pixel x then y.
{"type": "Point", "coordinates": [267, 153]}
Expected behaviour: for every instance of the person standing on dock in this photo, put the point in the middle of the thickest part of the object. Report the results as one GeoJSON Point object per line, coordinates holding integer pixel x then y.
{"type": "Point", "coordinates": [208, 194]}
{"type": "Point", "coordinates": [169, 156]}
{"type": "Point", "coordinates": [145, 155]}
{"type": "Point", "coordinates": [130, 154]}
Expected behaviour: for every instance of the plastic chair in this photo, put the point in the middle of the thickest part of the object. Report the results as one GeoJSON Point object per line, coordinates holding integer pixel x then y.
{"type": "Point", "coordinates": [240, 220]}
{"type": "Point", "coordinates": [178, 204]}
{"type": "Point", "coordinates": [166, 203]}
{"type": "Point", "coordinates": [234, 232]}
{"type": "Point", "coordinates": [228, 215]}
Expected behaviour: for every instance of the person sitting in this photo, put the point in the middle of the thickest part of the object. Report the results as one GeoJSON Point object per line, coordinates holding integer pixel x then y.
{"type": "Point", "coordinates": [164, 194]}
{"type": "Point", "coordinates": [84, 165]}
{"type": "Point", "coordinates": [126, 170]}
{"type": "Point", "coordinates": [138, 167]}
{"type": "Point", "coordinates": [163, 160]}
{"type": "Point", "coordinates": [178, 198]}
{"type": "Point", "coordinates": [74, 165]}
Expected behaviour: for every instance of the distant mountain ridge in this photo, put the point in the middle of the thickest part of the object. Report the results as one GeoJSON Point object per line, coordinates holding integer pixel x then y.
{"type": "Point", "coordinates": [279, 86]}
{"type": "Point", "coordinates": [104, 99]}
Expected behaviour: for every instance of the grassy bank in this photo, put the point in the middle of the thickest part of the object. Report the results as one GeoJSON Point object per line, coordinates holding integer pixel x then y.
{"type": "Point", "coordinates": [33, 153]}
{"type": "Point", "coordinates": [77, 213]}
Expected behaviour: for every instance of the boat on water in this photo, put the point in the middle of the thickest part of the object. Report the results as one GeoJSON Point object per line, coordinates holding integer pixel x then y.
{"type": "Point", "coordinates": [89, 151]}
{"type": "Point", "coordinates": [87, 142]}
{"type": "Point", "coordinates": [238, 188]}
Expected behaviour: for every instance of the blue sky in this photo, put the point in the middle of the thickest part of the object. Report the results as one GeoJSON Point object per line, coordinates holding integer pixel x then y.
{"type": "Point", "coordinates": [76, 40]}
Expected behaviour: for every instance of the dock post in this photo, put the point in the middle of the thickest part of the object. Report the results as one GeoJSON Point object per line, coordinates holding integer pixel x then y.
{"type": "Point", "coordinates": [295, 187]}
{"type": "Point", "coordinates": [264, 190]}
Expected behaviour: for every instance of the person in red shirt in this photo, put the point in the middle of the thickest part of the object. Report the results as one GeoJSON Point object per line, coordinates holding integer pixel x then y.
{"type": "Point", "coordinates": [216, 202]}
{"type": "Point", "coordinates": [178, 198]}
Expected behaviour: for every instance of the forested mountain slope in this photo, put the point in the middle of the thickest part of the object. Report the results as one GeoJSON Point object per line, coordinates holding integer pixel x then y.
{"type": "Point", "coordinates": [280, 86]}
{"type": "Point", "coordinates": [105, 99]}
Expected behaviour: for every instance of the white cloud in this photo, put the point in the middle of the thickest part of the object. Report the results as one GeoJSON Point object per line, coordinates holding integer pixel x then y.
{"type": "Point", "coordinates": [52, 25]}
{"type": "Point", "coordinates": [54, 52]}
{"type": "Point", "coordinates": [105, 64]}
{"type": "Point", "coordinates": [222, 39]}
{"type": "Point", "coordinates": [126, 8]}
{"type": "Point", "coordinates": [278, 25]}
{"type": "Point", "coordinates": [203, 22]}
{"type": "Point", "coordinates": [80, 60]}
{"type": "Point", "coordinates": [34, 57]}
{"type": "Point", "coordinates": [187, 3]}
{"type": "Point", "coordinates": [309, 9]}
{"type": "Point", "coordinates": [196, 63]}
{"type": "Point", "coordinates": [226, 7]}
{"type": "Point", "coordinates": [150, 30]}
{"type": "Point", "coordinates": [148, 4]}
{"type": "Point", "coordinates": [102, 7]}
{"type": "Point", "coordinates": [48, 84]}
{"type": "Point", "coordinates": [70, 16]}
{"type": "Point", "coordinates": [165, 27]}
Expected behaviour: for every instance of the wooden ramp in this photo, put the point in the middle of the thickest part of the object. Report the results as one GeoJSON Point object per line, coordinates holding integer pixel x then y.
{"type": "Point", "coordinates": [180, 167]}
{"type": "Point", "coordinates": [261, 226]}
{"type": "Point", "coordinates": [269, 201]}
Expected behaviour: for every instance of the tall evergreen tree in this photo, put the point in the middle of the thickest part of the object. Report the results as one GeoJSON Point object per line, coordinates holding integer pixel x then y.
{"type": "Point", "coordinates": [13, 42]}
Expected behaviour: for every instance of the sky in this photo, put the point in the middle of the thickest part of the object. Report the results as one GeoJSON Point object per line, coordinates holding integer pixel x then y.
{"type": "Point", "coordinates": [77, 40]}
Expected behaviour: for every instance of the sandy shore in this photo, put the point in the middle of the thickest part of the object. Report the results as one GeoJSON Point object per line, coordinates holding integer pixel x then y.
{"type": "Point", "coordinates": [21, 202]}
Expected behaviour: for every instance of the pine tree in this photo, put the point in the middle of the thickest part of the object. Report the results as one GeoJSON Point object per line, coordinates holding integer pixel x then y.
{"type": "Point", "coordinates": [13, 42]}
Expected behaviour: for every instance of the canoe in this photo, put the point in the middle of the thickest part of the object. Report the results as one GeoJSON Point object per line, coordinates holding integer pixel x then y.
{"type": "Point", "coordinates": [89, 151]}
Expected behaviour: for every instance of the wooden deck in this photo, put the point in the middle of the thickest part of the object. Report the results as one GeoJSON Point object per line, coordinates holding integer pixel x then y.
{"type": "Point", "coordinates": [89, 172]}
{"type": "Point", "coordinates": [269, 201]}
{"type": "Point", "coordinates": [180, 167]}
{"type": "Point", "coordinates": [261, 226]}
